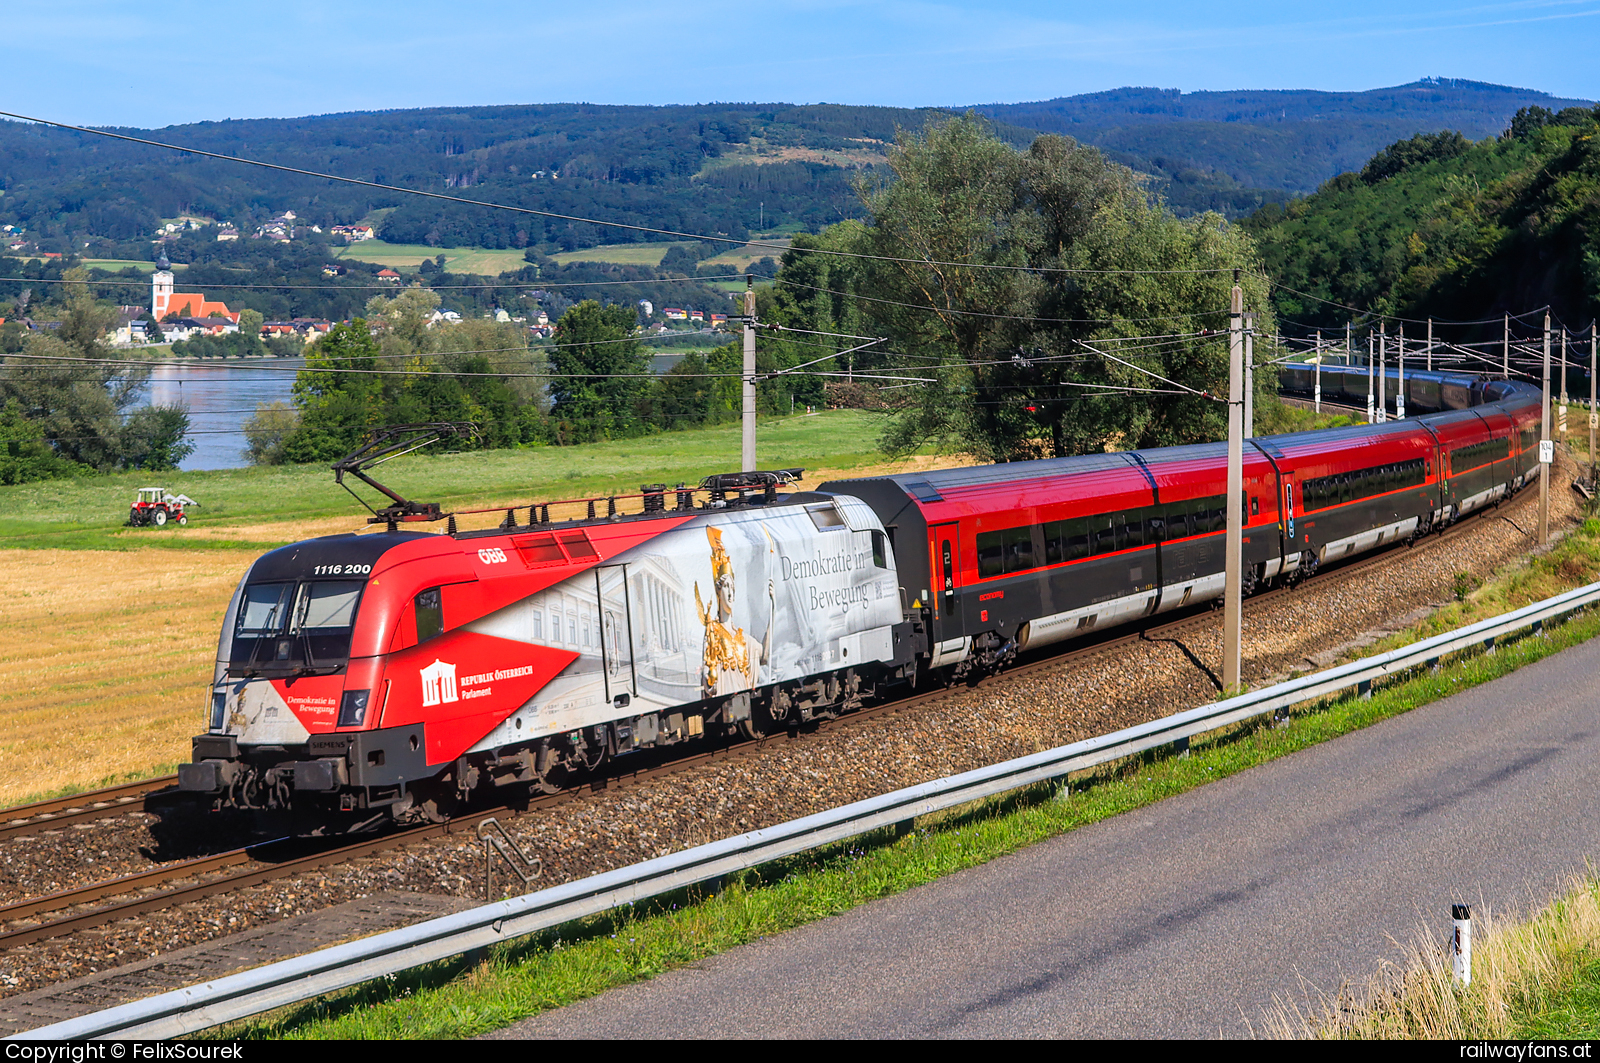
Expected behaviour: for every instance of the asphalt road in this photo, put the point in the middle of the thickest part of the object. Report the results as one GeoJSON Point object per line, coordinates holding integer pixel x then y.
{"type": "Point", "coordinates": [1191, 917]}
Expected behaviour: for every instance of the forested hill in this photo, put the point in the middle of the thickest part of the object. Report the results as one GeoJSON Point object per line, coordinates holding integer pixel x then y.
{"type": "Point", "coordinates": [712, 168]}
{"type": "Point", "coordinates": [1438, 226]}
{"type": "Point", "coordinates": [1290, 140]}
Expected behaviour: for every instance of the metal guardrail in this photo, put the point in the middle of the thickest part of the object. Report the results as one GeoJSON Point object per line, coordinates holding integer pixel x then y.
{"type": "Point", "coordinates": [292, 981]}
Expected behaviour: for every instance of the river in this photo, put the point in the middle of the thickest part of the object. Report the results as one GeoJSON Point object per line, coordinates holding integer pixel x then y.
{"type": "Point", "coordinates": [220, 398]}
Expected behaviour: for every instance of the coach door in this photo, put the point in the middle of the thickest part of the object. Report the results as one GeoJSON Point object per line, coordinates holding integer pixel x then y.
{"type": "Point", "coordinates": [616, 633]}
{"type": "Point", "coordinates": [946, 576]}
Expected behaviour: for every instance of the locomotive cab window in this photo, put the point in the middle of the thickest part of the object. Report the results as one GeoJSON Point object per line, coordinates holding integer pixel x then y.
{"type": "Point", "coordinates": [295, 628]}
{"type": "Point", "coordinates": [326, 604]}
{"type": "Point", "coordinates": [880, 556]}
{"type": "Point", "coordinates": [264, 609]}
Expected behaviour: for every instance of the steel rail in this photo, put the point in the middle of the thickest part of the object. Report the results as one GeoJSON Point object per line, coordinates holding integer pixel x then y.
{"type": "Point", "coordinates": [295, 980]}
{"type": "Point", "coordinates": [78, 808]}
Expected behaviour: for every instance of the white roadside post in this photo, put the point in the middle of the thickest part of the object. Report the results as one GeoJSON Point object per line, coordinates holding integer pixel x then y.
{"type": "Point", "coordinates": [1461, 943]}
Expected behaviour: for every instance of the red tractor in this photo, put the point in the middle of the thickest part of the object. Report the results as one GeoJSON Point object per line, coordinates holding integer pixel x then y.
{"type": "Point", "coordinates": [157, 505]}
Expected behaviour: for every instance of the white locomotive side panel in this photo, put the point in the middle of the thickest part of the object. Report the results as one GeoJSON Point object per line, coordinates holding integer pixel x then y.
{"type": "Point", "coordinates": [725, 603]}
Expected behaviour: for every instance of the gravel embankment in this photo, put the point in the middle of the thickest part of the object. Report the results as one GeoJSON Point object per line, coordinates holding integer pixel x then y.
{"type": "Point", "coordinates": [999, 720]}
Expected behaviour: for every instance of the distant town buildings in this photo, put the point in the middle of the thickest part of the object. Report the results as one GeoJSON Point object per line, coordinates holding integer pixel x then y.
{"type": "Point", "coordinates": [353, 233]}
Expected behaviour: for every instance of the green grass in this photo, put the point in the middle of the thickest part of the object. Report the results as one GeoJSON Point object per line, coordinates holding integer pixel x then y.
{"type": "Point", "coordinates": [1571, 1012]}
{"type": "Point", "coordinates": [469, 996]}
{"type": "Point", "coordinates": [620, 254]}
{"type": "Point", "coordinates": [88, 513]}
{"type": "Point", "coordinates": [486, 262]}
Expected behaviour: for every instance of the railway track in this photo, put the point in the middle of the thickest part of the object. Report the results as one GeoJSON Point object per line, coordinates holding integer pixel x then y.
{"type": "Point", "coordinates": [80, 808]}
{"type": "Point", "coordinates": [69, 911]}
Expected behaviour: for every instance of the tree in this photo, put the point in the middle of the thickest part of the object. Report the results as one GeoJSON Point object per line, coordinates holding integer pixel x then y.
{"type": "Point", "coordinates": [25, 456]}
{"type": "Point", "coordinates": [1000, 276]}
{"type": "Point", "coordinates": [338, 395]}
{"type": "Point", "coordinates": [599, 374]}
{"type": "Point", "coordinates": [154, 438]}
{"type": "Point", "coordinates": [267, 430]}
{"type": "Point", "coordinates": [250, 322]}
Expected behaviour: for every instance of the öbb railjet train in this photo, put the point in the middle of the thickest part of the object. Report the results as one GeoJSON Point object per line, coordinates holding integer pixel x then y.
{"type": "Point", "coordinates": [393, 676]}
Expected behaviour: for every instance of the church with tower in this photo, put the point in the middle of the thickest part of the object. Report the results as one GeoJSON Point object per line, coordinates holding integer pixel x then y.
{"type": "Point", "coordinates": [166, 303]}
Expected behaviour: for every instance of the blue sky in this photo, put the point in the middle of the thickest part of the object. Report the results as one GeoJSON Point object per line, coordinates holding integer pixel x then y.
{"type": "Point", "coordinates": [103, 63]}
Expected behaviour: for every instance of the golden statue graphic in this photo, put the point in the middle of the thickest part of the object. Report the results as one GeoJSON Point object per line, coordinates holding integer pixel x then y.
{"type": "Point", "coordinates": [732, 659]}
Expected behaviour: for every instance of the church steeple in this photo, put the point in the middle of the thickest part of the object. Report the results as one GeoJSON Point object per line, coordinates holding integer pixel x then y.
{"type": "Point", "coordinates": [161, 283]}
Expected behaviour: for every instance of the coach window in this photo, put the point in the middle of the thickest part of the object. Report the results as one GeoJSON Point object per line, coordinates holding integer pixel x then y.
{"type": "Point", "coordinates": [1132, 532]}
{"type": "Point", "coordinates": [1155, 524]}
{"type": "Point", "coordinates": [1177, 523]}
{"type": "Point", "coordinates": [1019, 548]}
{"type": "Point", "coordinates": [1103, 538]}
{"type": "Point", "coordinates": [430, 614]}
{"type": "Point", "coordinates": [991, 554]}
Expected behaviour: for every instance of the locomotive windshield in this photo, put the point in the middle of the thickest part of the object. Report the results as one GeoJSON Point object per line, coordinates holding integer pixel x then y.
{"type": "Point", "coordinates": [294, 628]}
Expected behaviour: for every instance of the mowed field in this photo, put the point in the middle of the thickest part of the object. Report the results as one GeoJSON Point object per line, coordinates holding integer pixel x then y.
{"type": "Point", "coordinates": [110, 632]}
{"type": "Point", "coordinates": [487, 262]}
{"type": "Point", "coordinates": [620, 254]}
{"type": "Point", "coordinates": [105, 662]}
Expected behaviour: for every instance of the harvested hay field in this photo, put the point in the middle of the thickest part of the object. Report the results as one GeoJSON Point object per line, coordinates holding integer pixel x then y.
{"type": "Point", "coordinates": [106, 661]}
{"type": "Point", "coordinates": [108, 653]}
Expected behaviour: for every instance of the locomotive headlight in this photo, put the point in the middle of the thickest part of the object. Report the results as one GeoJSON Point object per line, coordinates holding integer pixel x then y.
{"type": "Point", "coordinates": [353, 708]}
{"type": "Point", "coordinates": [219, 710]}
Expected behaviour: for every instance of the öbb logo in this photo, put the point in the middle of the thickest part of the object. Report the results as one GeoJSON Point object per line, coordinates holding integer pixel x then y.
{"type": "Point", "coordinates": [492, 556]}
{"type": "Point", "coordinates": [438, 683]}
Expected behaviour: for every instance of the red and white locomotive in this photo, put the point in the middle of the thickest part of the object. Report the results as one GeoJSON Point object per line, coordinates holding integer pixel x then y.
{"type": "Point", "coordinates": [394, 675]}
